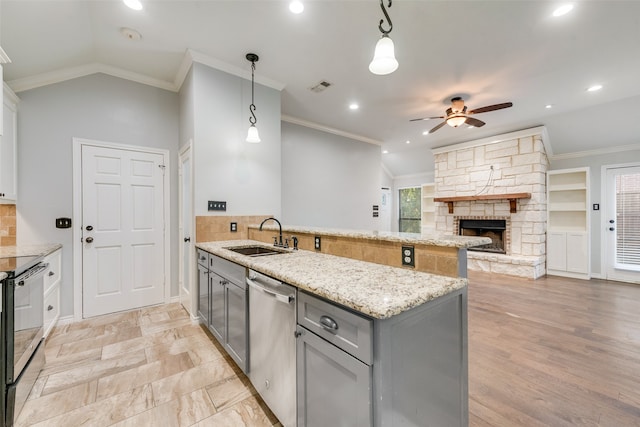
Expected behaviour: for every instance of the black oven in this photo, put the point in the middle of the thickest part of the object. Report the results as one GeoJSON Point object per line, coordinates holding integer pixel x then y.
{"type": "Point", "coordinates": [22, 331]}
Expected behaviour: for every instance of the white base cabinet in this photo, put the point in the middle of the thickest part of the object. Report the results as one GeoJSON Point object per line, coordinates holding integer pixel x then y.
{"type": "Point", "coordinates": [52, 280]}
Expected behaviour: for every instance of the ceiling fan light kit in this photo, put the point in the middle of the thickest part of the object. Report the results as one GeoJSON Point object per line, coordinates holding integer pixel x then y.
{"type": "Point", "coordinates": [252, 134]}
{"type": "Point", "coordinates": [384, 59]}
{"type": "Point", "coordinates": [457, 114]}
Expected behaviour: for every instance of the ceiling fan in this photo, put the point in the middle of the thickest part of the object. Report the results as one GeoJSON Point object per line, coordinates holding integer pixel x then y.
{"type": "Point", "coordinates": [457, 114]}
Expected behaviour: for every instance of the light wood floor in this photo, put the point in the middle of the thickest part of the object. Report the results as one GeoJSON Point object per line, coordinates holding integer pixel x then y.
{"type": "Point", "coordinates": [550, 352]}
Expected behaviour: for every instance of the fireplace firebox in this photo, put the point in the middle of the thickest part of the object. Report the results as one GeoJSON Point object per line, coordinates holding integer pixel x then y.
{"type": "Point", "coordinates": [492, 228]}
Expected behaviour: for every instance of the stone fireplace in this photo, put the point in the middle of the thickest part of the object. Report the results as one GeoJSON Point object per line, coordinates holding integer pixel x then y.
{"type": "Point", "coordinates": [502, 181]}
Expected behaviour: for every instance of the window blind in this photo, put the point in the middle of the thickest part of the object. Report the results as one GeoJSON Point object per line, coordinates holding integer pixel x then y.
{"type": "Point", "coordinates": [628, 220]}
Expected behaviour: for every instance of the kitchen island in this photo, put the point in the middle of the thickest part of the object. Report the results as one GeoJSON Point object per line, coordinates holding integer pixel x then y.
{"type": "Point", "coordinates": [404, 364]}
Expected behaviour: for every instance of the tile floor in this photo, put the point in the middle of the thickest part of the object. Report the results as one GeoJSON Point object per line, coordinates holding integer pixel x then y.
{"type": "Point", "coordinates": [148, 367]}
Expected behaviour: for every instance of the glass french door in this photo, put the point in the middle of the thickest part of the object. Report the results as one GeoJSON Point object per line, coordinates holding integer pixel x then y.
{"type": "Point", "coordinates": [622, 223]}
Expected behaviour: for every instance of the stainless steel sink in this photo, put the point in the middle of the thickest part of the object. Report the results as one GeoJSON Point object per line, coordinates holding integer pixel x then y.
{"type": "Point", "coordinates": [255, 251]}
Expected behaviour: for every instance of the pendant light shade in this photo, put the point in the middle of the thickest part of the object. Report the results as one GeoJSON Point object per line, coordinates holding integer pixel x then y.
{"type": "Point", "coordinates": [252, 134]}
{"type": "Point", "coordinates": [384, 59]}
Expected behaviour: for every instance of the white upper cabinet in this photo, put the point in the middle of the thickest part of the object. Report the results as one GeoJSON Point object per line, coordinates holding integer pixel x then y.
{"type": "Point", "coordinates": [9, 148]}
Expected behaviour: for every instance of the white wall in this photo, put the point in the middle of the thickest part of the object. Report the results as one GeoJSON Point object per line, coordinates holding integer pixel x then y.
{"type": "Point", "coordinates": [328, 180]}
{"type": "Point", "coordinates": [98, 107]}
{"type": "Point", "coordinates": [226, 167]}
{"type": "Point", "coordinates": [598, 222]}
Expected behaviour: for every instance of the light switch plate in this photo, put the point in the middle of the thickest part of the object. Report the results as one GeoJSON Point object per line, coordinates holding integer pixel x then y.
{"type": "Point", "coordinates": [213, 205]}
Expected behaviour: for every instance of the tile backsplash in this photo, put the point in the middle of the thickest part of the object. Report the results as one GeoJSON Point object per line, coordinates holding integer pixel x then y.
{"type": "Point", "coordinates": [7, 225]}
{"type": "Point", "coordinates": [216, 228]}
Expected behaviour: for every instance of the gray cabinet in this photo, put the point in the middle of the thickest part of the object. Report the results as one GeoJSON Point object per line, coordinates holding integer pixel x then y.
{"type": "Point", "coordinates": [223, 304]}
{"type": "Point", "coordinates": [203, 285]}
{"type": "Point", "coordinates": [333, 365]}
{"type": "Point", "coordinates": [334, 388]}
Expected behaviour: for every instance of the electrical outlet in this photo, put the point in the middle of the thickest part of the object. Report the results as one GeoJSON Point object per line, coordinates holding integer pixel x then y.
{"type": "Point", "coordinates": [63, 222]}
{"type": "Point", "coordinates": [216, 206]}
{"type": "Point", "coordinates": [408, 257]}
{"type": "Point", "coordinates": [316, 243]}
{"type": "Point", "coordinates": [234, 227]}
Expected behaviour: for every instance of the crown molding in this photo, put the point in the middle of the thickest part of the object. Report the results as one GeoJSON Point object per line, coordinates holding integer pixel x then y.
{"type": "Point", "coordinates": [191, 56]}
{"type": "Point", "coordinates": [10, 94]}
{"type": "Point", "coordinates": [316, 126]}
{"type": "Point", "coordinates": [32, 82]}
{"type": "Point", "coordinates": [538, 130]}
{"type": "Point", "coordinates": [4, 58]}
{"type": "Point", "coordinates": [596, 152]}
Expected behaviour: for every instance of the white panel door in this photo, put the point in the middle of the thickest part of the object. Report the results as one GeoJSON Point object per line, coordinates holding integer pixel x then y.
{"type": "Point", "coordinates": [123, 230]}
{"type": "Point", "coordinates": [188, 298]}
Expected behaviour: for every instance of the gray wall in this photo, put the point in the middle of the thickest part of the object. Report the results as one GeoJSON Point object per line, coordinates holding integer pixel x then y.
{"type": "Point", "coordinates": [328, 180]}
{"type": "Point", "coordinates": [226, 167]}
{"type": "Point", "coordinates": [598, 222]}
{"type": "Point", "coordinates": [98, 107]}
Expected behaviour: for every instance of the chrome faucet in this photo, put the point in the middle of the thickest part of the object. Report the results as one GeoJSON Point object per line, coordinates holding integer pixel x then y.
{"type": "Point", "coordinates": [277, 242]}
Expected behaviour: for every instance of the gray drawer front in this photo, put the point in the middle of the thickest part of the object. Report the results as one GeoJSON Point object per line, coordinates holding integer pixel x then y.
{"type": "Point", "coordinates": [203, 257]}
{"type": "Point", "coordinates": [352, 332]}
{"type": "Point", "coordinates": [229, 270]}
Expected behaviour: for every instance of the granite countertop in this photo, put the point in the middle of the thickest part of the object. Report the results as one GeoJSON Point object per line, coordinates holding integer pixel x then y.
{"type": "Point", "coordinates": [375, 290]}
{"type": "Point", "coordinates": [28, 250]}
{"type": "Point", "coordinates": [434, 239]}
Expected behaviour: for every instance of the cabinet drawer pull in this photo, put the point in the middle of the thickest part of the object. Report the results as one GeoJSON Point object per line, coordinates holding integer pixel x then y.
{"type": "Point", "coordinates": [50, 307]}
{"type": "Point", "coordinates": [328, 323]}
{"type": "Point", "coordinates": [51, 273]}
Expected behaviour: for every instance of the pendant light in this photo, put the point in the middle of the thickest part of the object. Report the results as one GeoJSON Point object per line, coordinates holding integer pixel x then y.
{"type": "Point", "coordinates": [384, 59]}
{"type": "Point", "coordinates": [252, 134]}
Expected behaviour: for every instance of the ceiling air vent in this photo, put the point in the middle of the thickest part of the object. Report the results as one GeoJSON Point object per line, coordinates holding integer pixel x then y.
{"type": "Point", "coordinates": [320, 86]}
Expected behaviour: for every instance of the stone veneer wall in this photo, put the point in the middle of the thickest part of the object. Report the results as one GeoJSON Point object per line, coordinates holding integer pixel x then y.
{"type": "Point", "coordinates": [519, 166]}
{"type": "Point", "coordinates": [7, 225]}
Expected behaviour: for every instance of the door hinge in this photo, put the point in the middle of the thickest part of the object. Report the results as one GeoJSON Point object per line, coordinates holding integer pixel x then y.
{"type": "Point", "coordinates": [162, 168]}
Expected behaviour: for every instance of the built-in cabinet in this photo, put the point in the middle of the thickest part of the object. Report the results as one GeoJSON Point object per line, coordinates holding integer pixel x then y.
{"type": "Point", "coordinates": [223, 304]}
{"type": "Point", "coordinates": [52, 280]}
{"type": "Point", "coordinates": [9, 148]}
{"type": "Point", "coordinates": [568, 225]}
{"type": "Point", "coordinates": [428, 208]}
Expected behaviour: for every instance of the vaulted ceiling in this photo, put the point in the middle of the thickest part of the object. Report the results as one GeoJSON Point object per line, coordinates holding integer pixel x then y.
{"type": "Point", "coordinates": [488, 52]}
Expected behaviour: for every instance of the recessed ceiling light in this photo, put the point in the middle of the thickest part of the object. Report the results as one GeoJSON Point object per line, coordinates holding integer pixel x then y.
{"type": "Point", "coordinates": [385, 151]}
{"type": "Point", "coordinates": [296, 7]}
{"type": "Point", "coordinates": [426, 132]}
{"type": "Point", "coordinates": [594, 88]}
{"type": "Point", "coordinates": [353, 106]}
{"type": "Point", "coordinates": [548, 106]}
{"type": "Point", "coordinates": [408, 142]}
{"type": "Point", "coordinates": [133, 4]}
{"type": "Point", "coordinates": [563, 10]}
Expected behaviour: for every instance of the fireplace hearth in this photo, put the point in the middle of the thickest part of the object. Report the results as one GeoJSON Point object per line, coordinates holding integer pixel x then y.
{"type": "Point", "coordinates": [493, 228]}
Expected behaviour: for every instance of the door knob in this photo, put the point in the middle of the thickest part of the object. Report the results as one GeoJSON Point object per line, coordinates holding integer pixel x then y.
{"type": "Point", "coordinates": [187, 239]}
{"type": "Point", "coordinates": [611, 221]}
{"type": "Point", "coordinates": [89, 227]}
{"type": "Point", "coordinates": [89, 239]}
{"type": "Point", "coordinates": [611, 228]}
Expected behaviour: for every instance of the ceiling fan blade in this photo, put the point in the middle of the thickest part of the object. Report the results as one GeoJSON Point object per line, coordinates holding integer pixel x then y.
{"type": "Point", "coordinates": [491, 108]}
{"type": "Point", "coordinates": [427, 118]}
{"type": "Point", "coordinates": [471, 121]}
{"type": "Point", "coordinates": [437, 127]}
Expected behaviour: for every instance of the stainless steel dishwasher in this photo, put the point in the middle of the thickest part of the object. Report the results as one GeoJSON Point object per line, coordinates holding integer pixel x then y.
{"type": "Point", "coordinates": [272, 342]}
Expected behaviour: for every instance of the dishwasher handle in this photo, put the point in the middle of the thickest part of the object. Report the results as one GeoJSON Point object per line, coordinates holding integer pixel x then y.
{"type": "Point", "coordinates": [287, 299]}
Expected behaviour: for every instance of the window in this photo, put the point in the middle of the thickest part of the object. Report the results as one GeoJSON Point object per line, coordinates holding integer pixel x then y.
{"type": "Point", "coordinates": [410, 210]}
{"type": "Point", "coordinates": [628, 221]}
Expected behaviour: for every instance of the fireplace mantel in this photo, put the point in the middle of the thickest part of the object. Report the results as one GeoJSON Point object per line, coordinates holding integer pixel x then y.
{"type": "Point", "coordinates": [512, 197]}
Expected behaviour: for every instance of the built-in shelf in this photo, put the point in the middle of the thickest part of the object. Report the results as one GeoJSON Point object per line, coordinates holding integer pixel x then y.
{"type": "Point", "coordinates": [512, 197]}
